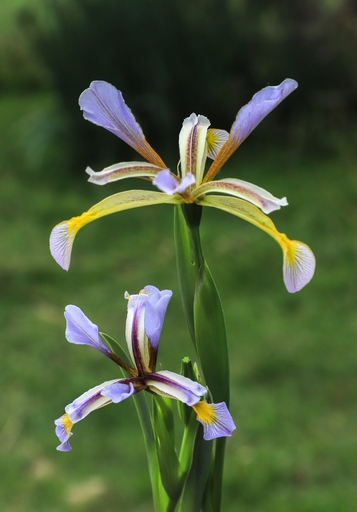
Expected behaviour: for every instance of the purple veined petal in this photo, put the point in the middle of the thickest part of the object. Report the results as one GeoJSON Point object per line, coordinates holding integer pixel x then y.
{"type": "Point", "coordinates": [193, 146]}
{"type": "Point", "coordinates": [215, 139]}
{"type": "Point", "coordinates": [299, 265]}
{"type": "Point", "coordinates": [118, 391]}
{"type": "Point", "coordinates": [136, 338]}
{"type": "Point", "coordinates": [167, 183]}
{"type": "Point", "coordinates": [248, 118]}
{"type": "Point", "coordinates": [103, 105]}
{"type": "Point", "coordinates": [88, 402]}
{"type": "Point", "coordinates": [215, 418]}
{"type": "Point", "coordinates": [155, 312]}
{"type": "Point", "coordinates": [81, 331]}
{"type": "Point", "coordinates": [243, 190]}
{"type": "Point", "coordinates": [63, 235]}
{"type": "Point", "coordinates": [175, 386]}
{"type": "Point", "coordinates": [122, 171]}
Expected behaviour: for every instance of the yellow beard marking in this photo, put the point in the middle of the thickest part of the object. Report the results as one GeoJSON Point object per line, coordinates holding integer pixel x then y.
{"type": "Point", "coordinates": [66, 422]}
{"type": "Point", "coordinates": [205, 412]}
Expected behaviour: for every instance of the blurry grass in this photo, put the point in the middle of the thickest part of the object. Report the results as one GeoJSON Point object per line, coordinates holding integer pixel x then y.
{"type": "Point", "coordinates": [293, 357]}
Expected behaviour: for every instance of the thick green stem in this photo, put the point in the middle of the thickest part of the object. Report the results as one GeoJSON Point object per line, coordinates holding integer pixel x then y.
{"type": "Point", "coordinates": [204, 315]}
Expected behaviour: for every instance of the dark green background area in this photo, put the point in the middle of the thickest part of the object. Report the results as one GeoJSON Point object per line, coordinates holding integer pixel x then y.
{"type": "Point", "coordinates": [293, 357]}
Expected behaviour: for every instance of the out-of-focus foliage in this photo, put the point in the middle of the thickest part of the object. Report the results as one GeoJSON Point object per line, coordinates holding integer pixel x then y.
{"type": "Point", "coordinates": [207, 56]}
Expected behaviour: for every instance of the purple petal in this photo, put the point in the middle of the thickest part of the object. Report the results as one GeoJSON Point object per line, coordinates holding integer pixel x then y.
{"type": "Point", "coordinates": [81, 331]}
{"type": "Point", "coordinates": [88, 402]}
{"type": "Point", "coordinates": [118, 391]}
{"type": "Point", "coordinates": [186, 182]}
{"type": "Point", "coordinates": [166, 182]}
{"type": "Point", "coordinates": [155, 311]}
{"type": "Point", "coordinates": [215, 418]}
{"type": "Point", "coordinates": [175, 386]}
{"type": "Point", "coordinates": [262, 103]}
{"type": "Point", "coordinates": [248, 118]}
{"type": "Point", "coordinates": [103, 105]}
{"type": "Point", "coordinates": [63, 432]}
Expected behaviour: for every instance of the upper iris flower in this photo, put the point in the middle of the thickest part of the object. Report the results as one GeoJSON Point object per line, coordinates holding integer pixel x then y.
{"type": "Point", "coordinates": [103, 105]}
{"type": "Point", "coordinates": [146, 312]}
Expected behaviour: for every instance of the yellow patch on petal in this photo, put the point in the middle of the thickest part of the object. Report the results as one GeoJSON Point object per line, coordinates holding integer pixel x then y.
{"type": "Point", "coordinates": [205, 412]}
{"type": "Point", "coordinates": [299, 264]}
{"type": "Point", "coordinates": [67, 423]}
{"type": "Point", "coordinates": [215, 139]}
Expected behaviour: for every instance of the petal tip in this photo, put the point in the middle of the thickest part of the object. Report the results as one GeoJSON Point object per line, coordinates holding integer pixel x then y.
{"type": "Point", "coordinates": [299, 266]}
{"type": "Point", "coordinates": [61, 241]}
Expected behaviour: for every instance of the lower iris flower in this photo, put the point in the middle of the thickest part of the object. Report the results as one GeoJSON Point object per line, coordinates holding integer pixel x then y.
{"type": "Point", "coordinates": [146, 312]}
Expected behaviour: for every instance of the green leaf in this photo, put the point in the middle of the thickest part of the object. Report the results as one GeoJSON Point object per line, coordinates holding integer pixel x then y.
{"type": "Point", "coordinates": [210, 334]}
{"type": "Point", "coordinates": [169, 465]}
{"type": "Point", "coordinates": [187, 370]}
{"type": "Point", "coordinates": [196, 479]}
{"type": "Point", "coordinates": [188, 256]}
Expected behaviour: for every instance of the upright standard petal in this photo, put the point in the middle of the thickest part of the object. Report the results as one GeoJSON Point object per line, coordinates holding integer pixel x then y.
{"type": "Point", "coordinates": [155, 311]}
{"type": "Point", "coordinates": [63, 235]}
{"type": "Point", "coordinates": [193, 147]}
{"type": "Point", "coordinates": [248, 118]}
{"type": "Point", "coordinates": [215, 418]}
{"type": "Point", "coordinates": [103, 105]}
{"type": "Point", "coordinates": [244, 190]}
{"type": "Point", "coordinates": [122, 171]}
{"type": "Point", "coordinates": [136, 338]}
{"type": "Point", "coordinates": [175, 386]}
{"type": "Point", "coordinates": [81, 331]}
{"type": "Point", "coordinates": [299, 261]}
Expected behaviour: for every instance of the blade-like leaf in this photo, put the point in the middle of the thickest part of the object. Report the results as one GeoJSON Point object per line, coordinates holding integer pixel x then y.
{"type": "Point", "coordinates": [188, 258]}
{"type": "Point", "coordinates": [169, 465]}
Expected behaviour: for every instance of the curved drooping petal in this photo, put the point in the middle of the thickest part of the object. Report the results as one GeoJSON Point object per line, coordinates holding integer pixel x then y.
{"type": "Point", "coordinates": [122, 171]}
{"type": "Point", "coordinates": [168, 184]}
{"type": "Point", "coordinates": [155, 312]}
{"type": "Point", "coordinates": [193, 147]}
{"type": "Point", "coordinates": [175, 386]}
{"type": "Point", "coordinates": [248, 118]}
{"type": "Point", "coordinates": [103, 105]}
{"type": "Point", "coordinates": [215, 139]}
{"type": "Point", "coordinates": [244, 190]}
{"type": "Point", "coordinates": [299, 260]}
{"type": "Point", "coordinates": [81, 331]}
{"type": "Point", "coordinates": [63, 235]}
{"type": "Point", "coordinates": [64, 432]}
{"type": "Point", "coordinates": [88, 402]}
{"type": "Point", "coordinates": [215, 418]}
{"type": "Point", "coordinates": [299, 265]}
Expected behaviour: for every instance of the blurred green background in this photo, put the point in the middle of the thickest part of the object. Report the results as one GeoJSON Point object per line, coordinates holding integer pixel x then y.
{"type": "Point", "coordinates": [293, 357]}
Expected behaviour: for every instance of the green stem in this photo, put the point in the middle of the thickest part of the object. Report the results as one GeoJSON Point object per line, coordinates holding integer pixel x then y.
{"type": "Point", "coordinates": [204, 315]}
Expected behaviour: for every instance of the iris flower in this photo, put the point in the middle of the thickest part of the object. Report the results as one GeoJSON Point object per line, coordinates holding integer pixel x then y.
{"type": "Point", "coordinates": [146, 312]}
{"type": "Point", "coordinates": [103, 105]}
